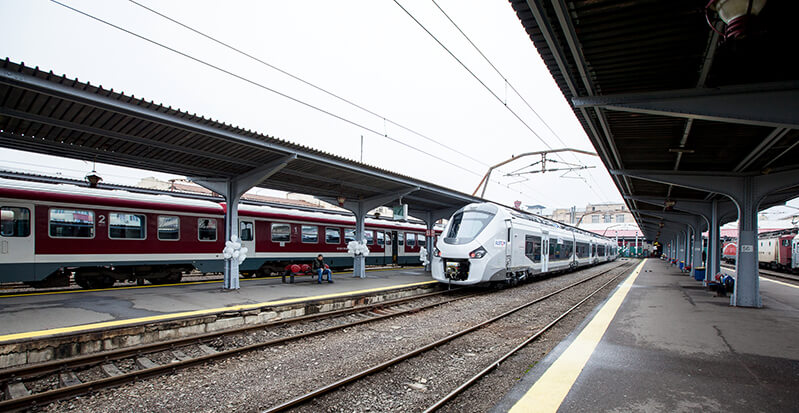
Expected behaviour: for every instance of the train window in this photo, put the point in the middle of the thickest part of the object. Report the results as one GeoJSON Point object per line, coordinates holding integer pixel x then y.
{"type": "Point", "coordinates": [410, 240]}
{"type": "Point", "coordinates": [15, 222]}
{"type": "Point", "coordinates": [332, 235]}
{"type": "Point", "coordinates": [126, 226]}
{"type": "Point", "coordinates": [466, 225]}
{"type": "Point", "coordinates": [786, 243]}
{"type": "Point", "coordinates": [370, 237]}
{"type": "Point", "coordinates": [381, 238]}
{"type": "Point", "coordinates": [421, 240]}
{"type": "Point", "coordinates": [533, 248]}
{"type": "Point", "coordinates": [206, 229]}
{"type": "Point", "coordinates": [246, 231]}
{"type": "Point", "coordinates": [71, 223]}
{"type": "Point", "coordinates": [168, 228]}
{"type": "Point", "coordinates": [388, 238]}
{"type": "Point", "coordinates": [349, 235]}
{"type": "Point", "coordinates": [582, 250]}
{"type": "Point", "coordinates": [601, 250]}
{"type": "Point", "coordinates": [400, 238]}
{"type": "Point", "coordinates": [568, 247]}
{"type": "Point", "coordinates": [281, 233]}
{"type": "Point", "coordinates": [310, 234]}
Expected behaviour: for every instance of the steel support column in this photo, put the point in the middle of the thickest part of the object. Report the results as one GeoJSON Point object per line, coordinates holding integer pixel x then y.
{"type": "Point", "coordinates": [430, 218]}
{"type": "Point", "coordinates": [360, 207]}
{"type": "Point", "coordinates": [747, 282]}
{"type": "Point", "coordinates": [713, 251]}
{"type": "Point", "coordinates": [232, 189]}
{"type": "Point", "coordinates": [747, 191]}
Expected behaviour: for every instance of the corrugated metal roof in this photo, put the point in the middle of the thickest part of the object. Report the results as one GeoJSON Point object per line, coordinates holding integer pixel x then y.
{"type": "Point", "coordinates": [611, 47]}
{"type": "Point", "coordinates": [47, 113]}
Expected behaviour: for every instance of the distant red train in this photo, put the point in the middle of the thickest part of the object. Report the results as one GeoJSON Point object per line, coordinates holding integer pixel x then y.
{"type": "Point", "coordinates": [48, 231]}
{"type": "Point", "coordinates": [778, 250]}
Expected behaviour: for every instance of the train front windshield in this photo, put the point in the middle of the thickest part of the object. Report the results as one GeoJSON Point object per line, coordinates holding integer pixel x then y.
{"type": "Point", "coordinates": [466, 225]}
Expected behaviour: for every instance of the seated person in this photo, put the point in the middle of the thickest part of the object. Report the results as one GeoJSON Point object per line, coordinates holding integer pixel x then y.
{"type": "Point", "coordinates": [320, 268]}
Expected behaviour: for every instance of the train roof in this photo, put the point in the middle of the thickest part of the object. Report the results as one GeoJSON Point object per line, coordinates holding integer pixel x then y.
{"type": "Point", "coordinates": [70, 193]}
{"type": "Point", "coordinates": [78, 194]}
{"type": "Point", "coordinates": [551, 223]}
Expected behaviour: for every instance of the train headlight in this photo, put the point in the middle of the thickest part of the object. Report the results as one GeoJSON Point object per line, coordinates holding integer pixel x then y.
{"type": "Point", "coordinates": [436, 252]}
{"type": "Point", "coordinates": [478, 253]}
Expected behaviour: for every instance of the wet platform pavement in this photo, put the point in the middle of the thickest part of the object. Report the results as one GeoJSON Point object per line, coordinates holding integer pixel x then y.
{"type": "Point", "coordinates": [671, 345]}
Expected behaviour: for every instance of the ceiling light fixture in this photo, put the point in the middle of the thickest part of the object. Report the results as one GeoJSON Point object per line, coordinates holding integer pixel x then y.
{"type": "Point", "coordinates": [736, 14]}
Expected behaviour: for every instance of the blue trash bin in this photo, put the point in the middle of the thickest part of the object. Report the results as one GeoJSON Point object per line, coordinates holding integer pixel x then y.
{"type": "Point", "coordinates": [682, 265]}
{"type": "Point", "coordinates": [699, 273]}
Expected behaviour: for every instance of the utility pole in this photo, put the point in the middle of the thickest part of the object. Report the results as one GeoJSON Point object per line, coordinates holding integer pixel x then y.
{"type": "Point", "coordinates": [361, 148]}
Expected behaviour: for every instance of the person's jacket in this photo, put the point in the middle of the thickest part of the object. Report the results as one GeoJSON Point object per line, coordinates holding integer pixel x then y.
{"type": "Point", "coordinates": [318, 264]}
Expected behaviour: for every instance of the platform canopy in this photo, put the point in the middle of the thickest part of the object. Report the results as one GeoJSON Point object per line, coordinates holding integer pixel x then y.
{"type": "Point", "coordinates": [52, 114]}
{"type": "Point", "coordinates": [664, 97]}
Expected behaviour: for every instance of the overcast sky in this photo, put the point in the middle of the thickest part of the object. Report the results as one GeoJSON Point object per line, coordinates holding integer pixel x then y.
{"type": "Point", "coordinates": [369, 51]}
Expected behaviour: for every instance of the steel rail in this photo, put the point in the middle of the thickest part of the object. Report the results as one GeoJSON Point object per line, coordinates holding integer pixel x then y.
{"type": "Point", "coordinates": [82, 388]}
{"type": "Point", "coordinates": [54, 366]}
{"type": "Point", "coordinates": [374, 369]}
{"type": "Point", "coordinates": [771, 273]}
{"type": "Point", "coordinates": [507, 355]}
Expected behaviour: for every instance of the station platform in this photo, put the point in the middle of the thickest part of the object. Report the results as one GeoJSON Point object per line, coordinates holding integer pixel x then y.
{"type": "Point", "coordinates": [31, 315]}
{"type": "Point", "coordinates": [662, 342]}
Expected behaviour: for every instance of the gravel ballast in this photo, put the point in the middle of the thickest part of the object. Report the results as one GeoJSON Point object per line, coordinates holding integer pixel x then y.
{"type": "Point", "coordinates": [258, 380]}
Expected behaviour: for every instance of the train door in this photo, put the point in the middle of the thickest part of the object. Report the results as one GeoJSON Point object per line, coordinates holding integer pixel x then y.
{"type": "Point", "coordinates": [544, 252]}
{"type": "Point", "coordinates": [247, 235]}
{"type": "Point", "coordinates": [795, 252]}
{"type": "Point", "coordinates": [395, 247]}
{"type": "Point", "coordinates": [508, 248]}
{"type": "Point", "coordinates": [16, 241]}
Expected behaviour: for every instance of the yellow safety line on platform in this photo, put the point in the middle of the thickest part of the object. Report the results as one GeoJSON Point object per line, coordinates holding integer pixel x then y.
{"type": "Point", "coordinates": [133, 287]}
{"type": "Point", "coordinates": [551, 389]}
{"type": "Point", "coordinates": [243, 307]}
{"type": "Point", "coordinates": [780, 282]}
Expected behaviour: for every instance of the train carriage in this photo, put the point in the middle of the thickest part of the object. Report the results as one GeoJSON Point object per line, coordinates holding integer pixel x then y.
{"type": "Point", "coordinates": [49, 231]}
{"type": "Point", "coordinates": [487, 243]}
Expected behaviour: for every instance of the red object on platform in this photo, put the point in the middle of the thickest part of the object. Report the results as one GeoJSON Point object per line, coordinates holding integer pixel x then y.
{"type": "Point", "coordinates": [305, 268]}
{"type": "Point", "coordinates": [295, 268]}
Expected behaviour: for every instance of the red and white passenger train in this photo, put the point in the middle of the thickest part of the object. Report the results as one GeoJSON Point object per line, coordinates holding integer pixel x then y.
{"type": "Point", "coordinates": [778, 250]}
{"type": "Point", "coordinates": [50, 230]}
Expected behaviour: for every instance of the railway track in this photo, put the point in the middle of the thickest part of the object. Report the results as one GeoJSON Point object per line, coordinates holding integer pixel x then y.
{"type": "Point", "coordinates": [770, 273]}
{"type": "Point", "coordinates": [58, 380]}
{"type": "Point", "coordinates": [616, 272]}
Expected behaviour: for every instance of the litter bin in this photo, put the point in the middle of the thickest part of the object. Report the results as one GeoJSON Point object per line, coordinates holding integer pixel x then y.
{"type": "Point", "coordinates": [699, 273]}
{"type": "Point", "coordinates": [682, 265]}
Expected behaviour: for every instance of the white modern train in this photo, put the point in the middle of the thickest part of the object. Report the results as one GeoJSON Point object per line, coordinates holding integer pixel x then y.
{"type": "Point", "coordinates": [487, 243]}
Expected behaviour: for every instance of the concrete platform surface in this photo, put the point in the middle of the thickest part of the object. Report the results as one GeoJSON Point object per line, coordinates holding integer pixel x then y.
{"type": "Point", "coordinates": [26, 314]}
{"type": "Point", "coordinates": [672, 346]}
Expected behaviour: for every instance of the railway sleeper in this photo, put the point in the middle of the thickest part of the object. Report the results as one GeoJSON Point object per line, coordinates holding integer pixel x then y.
{"type": "Point", "coordinates": [15, 390]}
{"type": "Point", "coordinates": [68, 379]}
{"type": "Point", "coordinates": [111, 370]}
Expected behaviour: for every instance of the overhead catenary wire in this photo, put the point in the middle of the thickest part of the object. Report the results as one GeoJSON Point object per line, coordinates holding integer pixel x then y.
{"type": "Point", "coordinates": [262, 86]}
{"type": "Point", "coordinates": [507, 83]}
{"type": "Point", "coordinates": [497, 97]}
{"type": "Point", "coordinates": [303, 81]}
{"type": "Point", "coordinates": [254, 83]}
